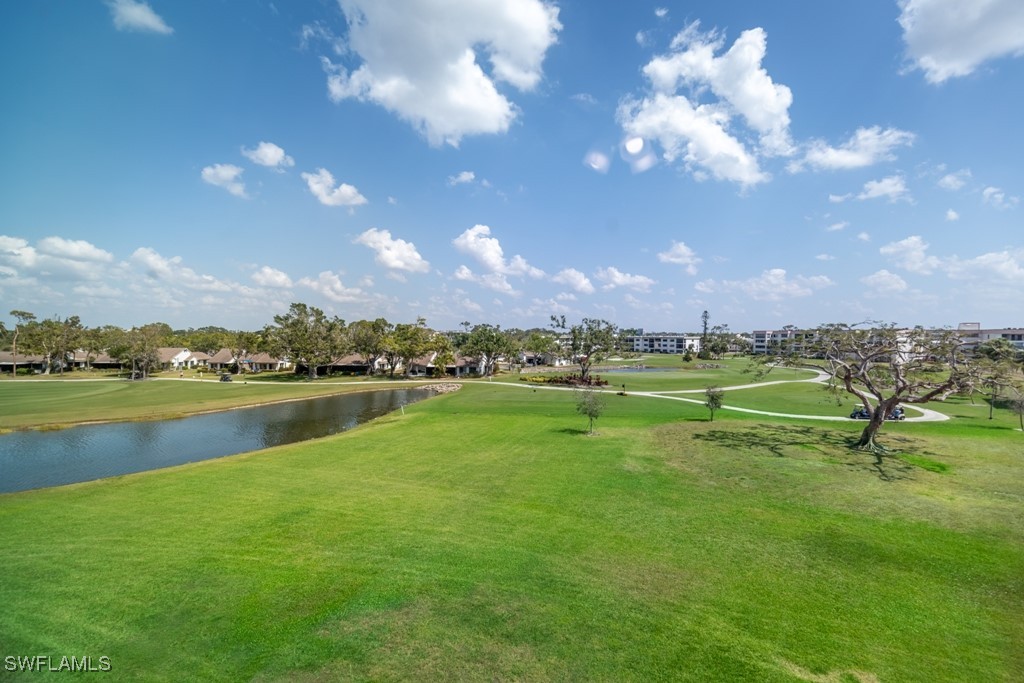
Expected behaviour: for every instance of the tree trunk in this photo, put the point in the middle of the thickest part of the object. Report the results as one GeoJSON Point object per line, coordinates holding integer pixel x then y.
{"type": "Point", "coordinates": [878, 415]}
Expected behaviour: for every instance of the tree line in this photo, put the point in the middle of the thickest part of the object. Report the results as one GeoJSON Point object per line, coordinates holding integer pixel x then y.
{"type": "Point", "coordinates": [307, 336]}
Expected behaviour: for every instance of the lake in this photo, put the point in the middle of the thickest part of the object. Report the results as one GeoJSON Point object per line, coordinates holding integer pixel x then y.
{"type": "Point", "coordinates": [37, 459]}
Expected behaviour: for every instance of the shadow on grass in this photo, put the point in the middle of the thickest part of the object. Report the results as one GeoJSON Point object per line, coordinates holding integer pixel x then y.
{"type": "Point", "coordinates": [782, 440]}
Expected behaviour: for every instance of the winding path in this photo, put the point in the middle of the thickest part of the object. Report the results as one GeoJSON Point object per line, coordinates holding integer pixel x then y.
{"type": "Point", "coordinates": [926, 414]}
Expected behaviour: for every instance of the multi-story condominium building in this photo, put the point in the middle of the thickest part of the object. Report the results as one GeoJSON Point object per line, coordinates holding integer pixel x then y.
{"type": "Point", "coordinates": [662, 343]}
{"type": "Point", "coordinates": [973, 334]}
{"type": "Point", "coordinates": [766, 341]}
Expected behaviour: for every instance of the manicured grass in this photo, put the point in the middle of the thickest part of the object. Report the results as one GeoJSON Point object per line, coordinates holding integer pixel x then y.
{"type": "Point", "coordinates": [483, 535]}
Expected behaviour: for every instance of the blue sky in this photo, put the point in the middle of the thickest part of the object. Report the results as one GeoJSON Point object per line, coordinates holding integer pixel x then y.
{"type": "Point", "coordinates": [208, 163]}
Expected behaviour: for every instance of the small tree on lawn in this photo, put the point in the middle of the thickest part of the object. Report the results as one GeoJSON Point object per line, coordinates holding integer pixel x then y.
{"type": "Point", "coordinates": [588, 343]}
{"type": "Point", "coordinates": [590, 404]}
{"type": "Point", "coordinates": [713, 399]}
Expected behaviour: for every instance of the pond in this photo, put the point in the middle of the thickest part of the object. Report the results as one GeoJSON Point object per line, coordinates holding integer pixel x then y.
{"type": "Point", "coordinates": [36, 459]}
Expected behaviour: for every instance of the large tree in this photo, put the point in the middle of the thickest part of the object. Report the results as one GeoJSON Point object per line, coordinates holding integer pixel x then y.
{"type": "Point", "coordinates": [587, 343]}
{"type": "Point", "coordinates": [21, 319]}
{"type": "Point", "coordinates": [137, 347]}
{"type": "Point", "coordinates": [883, 365]}
{"type": "Point", "coordinates": [487, 343]}
{"type": "Point", "coordinates": [54, 339]}
{"type": "Point", "coordinates": [308, 337]}
{"type": "Point", "coordinates": [411, 341]}
{"type": "Point", "coordinates": [369, 338]}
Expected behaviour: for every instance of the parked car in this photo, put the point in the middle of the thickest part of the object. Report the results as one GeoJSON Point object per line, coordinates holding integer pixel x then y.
{"type": "Point", "coordinates": [225, 378]}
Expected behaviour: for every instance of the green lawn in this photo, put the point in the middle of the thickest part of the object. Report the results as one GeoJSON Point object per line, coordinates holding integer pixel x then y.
{"type": "Point", "coordinates": [484, 536]}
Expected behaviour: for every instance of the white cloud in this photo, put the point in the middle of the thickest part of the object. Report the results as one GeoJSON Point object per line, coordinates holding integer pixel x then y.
{"type": "Point", "coordinates": [863, 237]}
{"type": "Point", "coordinates": [131, 15]}
{"type": "Point", "coordinates": [461, 179]}
{"type": "Point", "coordinates": [496, 281]}
{"type": "Point", "coordinates": [321, 184]}
{"type": "Point", "coordinates": [952, 38]}
{"type": "Point", "coordinates": [893, 188]}
{"type": "Point", "coordinates": [419, 60]}
{"type": "Point", "coordinates": [954, 181]}
{"type": "Point", "coordinates": [268, 154]}
{"type": "Point", "coordinates": [172, 271]}
{"type": "Point", "coordinates": [700, 134]}
{"type": "Point", "coordinates": [839, 198]}
{"type": "Point", "coordinates": [867, 146]}
{"type": "Point", "coordinates": [1007, 266]}
{"type": "Point", "coordinates": [993, 196]}
{"type": "Point", "coordinates": [771, 285]}
{"type": "Point", "coordinates": [682, 255]}
{"type": "Point", "coordinates": [911, 254]}
{"type": "Point", "coordinates": [76, 250]}
{"type": "Point", "coordinates": [613, 277]}
{"type": "Point", "coordinates": [478, 243]}
{"type": "Point", "coordinates": [318, 31]}
{"type": "Point", "coordinates": [225, 176]}
{"type": "Point", "coordinates": [54, 258]}
{"type": "Point", "coordinates": [825, 257]}
{"type": "Point", "coordinates": [393, 253]}
{"type": "Point", "coordinates": [836, 227]}
{"type": "Point", "coordinates": [329, 285]}
{"type": "Point", "coordinates": [661, 12]}
{"type": "Point", "coordinates": [952, 215]}
{"type": "Point", "coordinates": [271, 277]}
{"type": "Point", "coordinates": [575, 279]}
{"type": "Point", "coordinates": [884, 282]}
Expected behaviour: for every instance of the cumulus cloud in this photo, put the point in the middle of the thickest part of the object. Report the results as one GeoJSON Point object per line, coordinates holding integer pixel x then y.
{"type": "Point", "coordinates": [321, 184]}
{"type": "Point", "coordinates": [863, 237]}
{"type": "Point", "coordinates": [76, 250]}
{"type": "Point", "coordinates": [613, 277]}
{"type": "Point", "coordinates": [702, 135]}
{"type": "Point", "coordinates": [478, 243]}
{"type": "Point", "coordinates": [681, 255]}
{"type": "Point", "coordinates": [418, 60]}
{"type": "Point", "coordinates": [825, 257]}
{"type": "Point", "coordinates": [661, 12]}
{"type": "Point", "coordinates": [993, 196]}
{"type": "Point", "coordinates": [836, 227]}
{"type": "Point", "coordinates": [226, 176]}
{"type": "Point", "coordinates": [951, 38]}
{"type": "Point", "coordinates": [883, 282]}
{"type": "Point", "coordinates": [329, 285]}
{"type": "Point", "coordinates": [771, 285]}
{"type": "Point", "coordinates": [867, 146]}
{"type": "Point", "coordinates": [270, 155]}
{"type": "Point", "coordinates": [496, 281]}
{"type": "Point", "coordinates": [461, 179]}
{"type": "Point", "coordinates": [955, 181]}
{"type": "Point", "coordinates": [54, 258]}
{"type": "Point", "coordinates": [272, 277]}
{"type": "Point", "coordinates": [1007, 266]}
{"type": "Point", "coordinates": [173, 271]}
{"type": "Point", "coordinates": [132, 15]}
{"type": "Point", "coordinates": [574, 279]}
{"type": "Point", "coordinates": [952, 215]}
{"type": "Point", "coordinates": [893, 188]}
{"type": "Point", "coordinates": [911, 254]}
{"type": "Point", "coordinates": [393, 253]}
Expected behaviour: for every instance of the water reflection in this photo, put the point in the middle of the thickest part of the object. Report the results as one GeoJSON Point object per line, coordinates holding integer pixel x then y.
{"type": "Point", "coordinates": [31, 460]}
